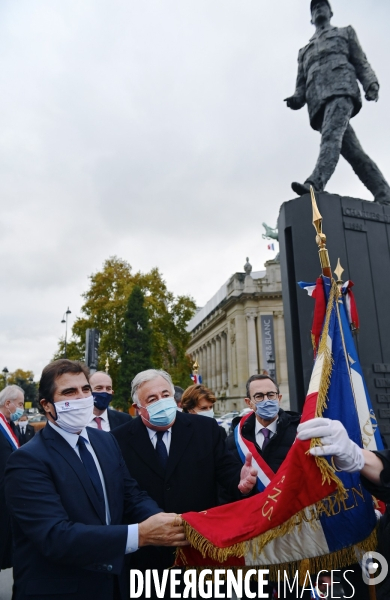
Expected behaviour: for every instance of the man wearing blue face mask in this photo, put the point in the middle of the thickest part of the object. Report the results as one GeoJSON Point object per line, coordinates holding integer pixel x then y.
{"type": "Point", "coordinates": [11, 409]}
{"type": "Point", "coordinates": [268, 430]}
{"type": "Point", "coordinates": [179, 459]}
{"type": "Point", "coordinates": [268, 433]}
{"type": "Point", "coordinates": [104, 418]}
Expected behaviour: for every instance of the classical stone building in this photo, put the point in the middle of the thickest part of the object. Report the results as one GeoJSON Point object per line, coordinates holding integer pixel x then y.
{"type": "Point", "coordinates": [240, 332]}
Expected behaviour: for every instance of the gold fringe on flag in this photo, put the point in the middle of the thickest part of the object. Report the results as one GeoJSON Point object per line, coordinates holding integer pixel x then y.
{"type": "Point", "coordinates": [328, 562]}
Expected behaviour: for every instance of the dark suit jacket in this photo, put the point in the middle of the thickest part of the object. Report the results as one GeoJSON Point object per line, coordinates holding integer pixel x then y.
{"type": "Point", "coordinates": [278, 446]}
{"type": "Point", "coordinates": [382, 492]}
{"type": "Point", "coordinates": [197, 463]}
{"type": "Point", "coordinates": [63, 549]}
{"type": "Point", "coordinates": [6, 450]}
{"type": "Point", "coordinates": [27, 436]}
{"type": "Point", "coordinates": [116, 418]}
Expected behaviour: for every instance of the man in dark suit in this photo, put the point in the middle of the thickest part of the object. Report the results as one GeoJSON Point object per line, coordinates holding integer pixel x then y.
{"type": "Point", "coordinates": [11, 408]}
{"type": "Point", "coordinates": [25, 432]}
{"type": "Point", "coordinates": [76, 511]}
{"type": "Point", "coordinates": [274, 433]}
{"type": "Point", "coordinates": [103, 417]}
{"type": "Point", "coordinates": [178, 458]}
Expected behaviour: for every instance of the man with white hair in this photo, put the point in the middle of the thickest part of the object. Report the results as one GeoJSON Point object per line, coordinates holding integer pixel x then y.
{"type": "Point", "coordinates": [11, 409]}
{"type": "Point", "coordinates": [102, 392]}
{"type": "Point", "coordinates": [177, 458]}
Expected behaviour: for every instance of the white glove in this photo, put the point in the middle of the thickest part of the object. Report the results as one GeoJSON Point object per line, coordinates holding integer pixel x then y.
{"type": "Point", "coordinates": [334, 437]}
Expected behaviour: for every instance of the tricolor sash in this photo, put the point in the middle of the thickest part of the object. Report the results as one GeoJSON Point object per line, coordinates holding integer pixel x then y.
{"type": "Point", "coordinates": [264, 472]}
{"type": "Point", "coordinates": [8, 433]}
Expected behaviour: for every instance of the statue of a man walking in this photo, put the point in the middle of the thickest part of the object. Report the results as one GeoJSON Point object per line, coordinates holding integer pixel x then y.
{"type": "Point", "coordinates": [328, 69]}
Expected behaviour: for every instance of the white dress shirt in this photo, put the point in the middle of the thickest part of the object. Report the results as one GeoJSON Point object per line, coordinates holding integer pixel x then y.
{"type": "Point", "coordinates": [104, 422]}
{"type": "Point", "coordinates": [259, 436]}
{"type": "Point", "coordinates": [166, 438]}
{"type": "Point", "coordinates": [72, 439]}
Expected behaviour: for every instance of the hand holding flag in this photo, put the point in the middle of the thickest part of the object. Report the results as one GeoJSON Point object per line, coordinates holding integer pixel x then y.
{"type": "Point", "coordinates": [334, 442]}
{"type": "Point", "coordinates": [248, 476]}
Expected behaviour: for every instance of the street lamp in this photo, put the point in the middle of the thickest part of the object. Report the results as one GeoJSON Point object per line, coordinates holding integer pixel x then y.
{"type": "Point", "coordinates": [271, 366]}
{"type": "Point", "coordinates": [5, 374]}
{"type": "Point", "coordinates": [65, 320]}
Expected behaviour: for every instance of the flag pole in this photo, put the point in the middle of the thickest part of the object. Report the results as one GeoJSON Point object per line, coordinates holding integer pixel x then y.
{"type": "Point", "coordinates": [327, 272]}
{"type": "Point", "coordinates": [320, 237]}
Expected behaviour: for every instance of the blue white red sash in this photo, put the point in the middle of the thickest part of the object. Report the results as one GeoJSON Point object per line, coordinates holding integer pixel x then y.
{"type": "Point", "coordinates": [6, 430]}
{"type": "Point", "coordinates": [264, 472]}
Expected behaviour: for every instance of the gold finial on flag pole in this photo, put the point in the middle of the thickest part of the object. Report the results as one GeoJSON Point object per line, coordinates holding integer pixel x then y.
{"type": "Point", "coordinates": [320, 237]}
{"type": "Point", "coordinates": [107, 365]}
{"type": "Point", "coordinates": [195, 367]}
{"type": "Point", "coordinates": [338, 272]}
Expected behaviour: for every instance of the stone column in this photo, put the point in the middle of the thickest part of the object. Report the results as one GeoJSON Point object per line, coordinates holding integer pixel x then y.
{"type": "Point", "coordinates": [200, 361]}
{"type": "Point", "coordinates": [218, 364]}
{"type": "Point", "coordinates": [208, 350]}
{"type": "Point", "coordinates": [281, 358]}
{"type": "Point", "coordinates": [224, 361]}
{"type": "Point", "coordinates": [233, 353]}
{"type": "Point", "coordinates": [252, 346]}
{"type": "Point", "coordinates": [213, 381]}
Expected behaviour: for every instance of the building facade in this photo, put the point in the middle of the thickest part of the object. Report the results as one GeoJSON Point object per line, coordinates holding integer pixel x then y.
{"type": "Point", "coordinates": [240, 332]}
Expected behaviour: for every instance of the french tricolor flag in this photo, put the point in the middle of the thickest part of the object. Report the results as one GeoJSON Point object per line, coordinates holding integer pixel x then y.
{"type": "Point", "coordinates": [308, 517]}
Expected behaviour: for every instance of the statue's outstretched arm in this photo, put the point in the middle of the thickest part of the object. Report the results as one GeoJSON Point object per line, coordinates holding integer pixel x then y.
{"type": "Point", "coordinates": [364, 71]}
{"type": "Point", "coordinates": [298, 100]}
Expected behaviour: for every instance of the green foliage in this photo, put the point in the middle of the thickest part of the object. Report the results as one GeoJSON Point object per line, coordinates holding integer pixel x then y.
{"type": "Point", "coordinates": [105, 306]}
{"type": "Point", "coordinates": [25, 380]}
{"type": "Point", "coordinates": [136, 352]}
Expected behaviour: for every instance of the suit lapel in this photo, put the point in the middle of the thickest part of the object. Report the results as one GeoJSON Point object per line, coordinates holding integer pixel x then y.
{"type": "Point", "coordinates": [182, 433]}
{"type": "Point", "coordinates": [140, 442]}
{"type": "Point", "coordinates": [60, 445]}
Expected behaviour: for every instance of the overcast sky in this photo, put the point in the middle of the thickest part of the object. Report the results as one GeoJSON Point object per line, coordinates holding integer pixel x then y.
{"type": "Point", "coordinates": [154, 130]}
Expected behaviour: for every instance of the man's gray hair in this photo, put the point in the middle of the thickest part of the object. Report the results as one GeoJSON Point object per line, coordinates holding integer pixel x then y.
{"type": "Point", "coordinates": [148, 375]}
{"type": "Point", "coordinates": [10, 392]}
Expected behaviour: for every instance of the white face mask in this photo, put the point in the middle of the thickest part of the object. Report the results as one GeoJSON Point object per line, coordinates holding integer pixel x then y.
{"type": "Point", "coordinates": [74, 415]}
{"type": "Point", "coordinates": [206, 413]}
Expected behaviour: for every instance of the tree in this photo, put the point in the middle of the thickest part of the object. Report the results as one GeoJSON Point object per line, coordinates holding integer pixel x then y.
{"type": "Point", "coordinates": [136, 352]}
{"type": "Point", "coordinates": [25, 380]}
{"type": "Point", "coordinates": [105, 306]}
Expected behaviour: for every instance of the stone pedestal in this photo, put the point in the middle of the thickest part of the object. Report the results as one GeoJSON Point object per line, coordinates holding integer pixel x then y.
{"type": "Point", "coordinates": [358, 232]}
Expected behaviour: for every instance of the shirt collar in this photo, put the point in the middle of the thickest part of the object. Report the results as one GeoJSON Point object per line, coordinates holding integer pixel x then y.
{"type": "Point", "coordinates": [71, 438]}
{"type": "Point", "coordinates": [272, 426]}
{"type": "Point", "coordinates": [152, 432]}
{"type": "Point", "coordinates": [103, 416]}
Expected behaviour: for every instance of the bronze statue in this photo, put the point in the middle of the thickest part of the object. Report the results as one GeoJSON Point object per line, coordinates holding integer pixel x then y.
{"type": "Point", "coordinates": [328, 67]}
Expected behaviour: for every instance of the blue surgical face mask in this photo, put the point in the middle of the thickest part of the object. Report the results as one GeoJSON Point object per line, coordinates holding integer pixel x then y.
{"type": "Point", "coordinates": [101, 400]}
{"type": "Point", "coordinates": [267, 409]}
{"type": "Point", "coordinates": [161, 413]}
{"type": "Point", "coordinates": [17, 414]}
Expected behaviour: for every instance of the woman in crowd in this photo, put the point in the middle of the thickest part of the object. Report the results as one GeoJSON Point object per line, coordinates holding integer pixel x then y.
{"type": "Point", "coordinates": [199, 400]}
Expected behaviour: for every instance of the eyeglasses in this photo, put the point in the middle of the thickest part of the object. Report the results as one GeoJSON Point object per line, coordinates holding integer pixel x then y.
{"type": "Point", "coordinates": [259, 397]}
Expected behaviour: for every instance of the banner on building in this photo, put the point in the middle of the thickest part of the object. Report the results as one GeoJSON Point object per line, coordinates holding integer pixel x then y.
{"type": "Point", "coordinates": [268, 345]}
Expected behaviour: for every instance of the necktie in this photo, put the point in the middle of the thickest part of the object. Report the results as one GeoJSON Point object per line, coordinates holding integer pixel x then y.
{"type": "Point", "coordinates": [90, 467]}
{"type": "Point", "coordinates": [266, 433]}
{"type": "Point", "coordinates": [99, 422]}
{"type": "Point", "coordinates": [161, 449]}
